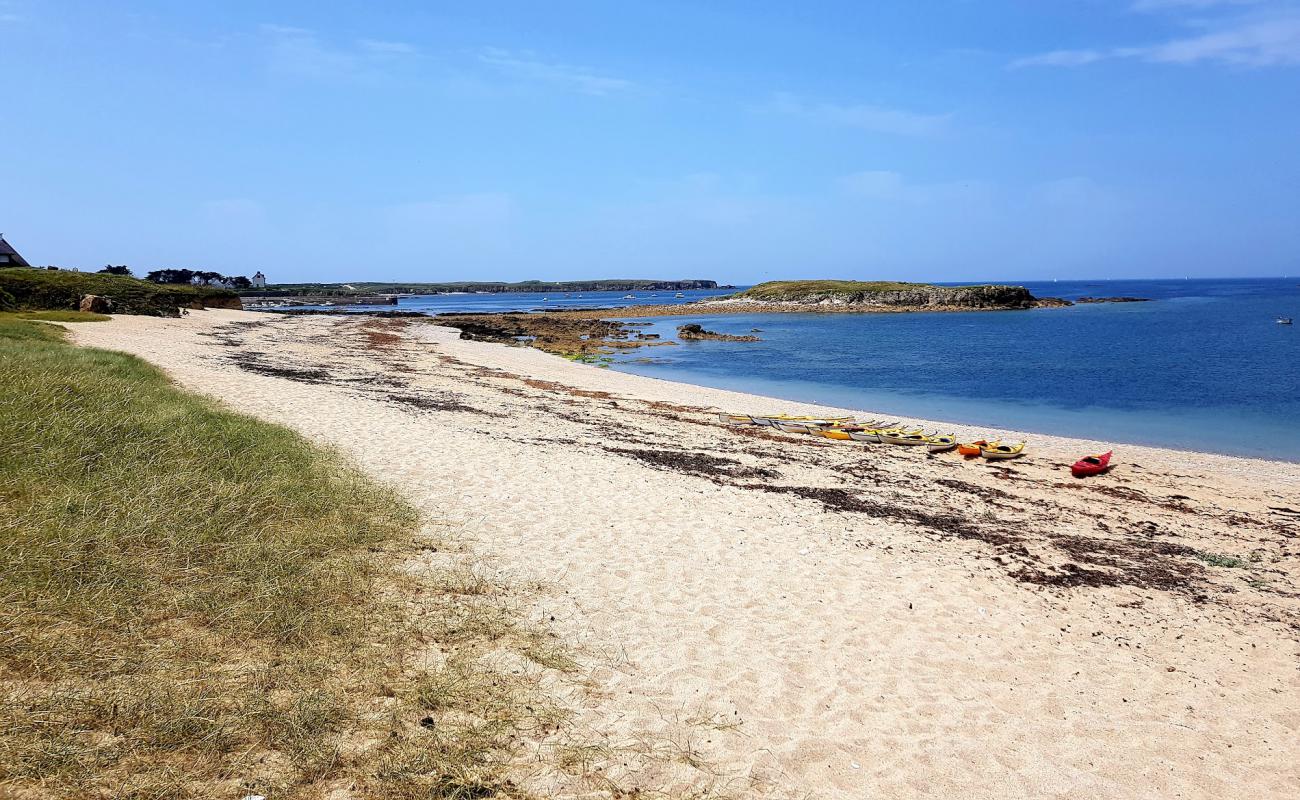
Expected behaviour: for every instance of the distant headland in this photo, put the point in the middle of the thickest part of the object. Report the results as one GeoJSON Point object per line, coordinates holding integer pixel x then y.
{"type": "Point", "coordinates": [480, 287]}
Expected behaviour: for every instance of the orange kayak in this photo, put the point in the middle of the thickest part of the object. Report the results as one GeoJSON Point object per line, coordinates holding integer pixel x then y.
{"type": "Point", "coordinates": [972, 448]}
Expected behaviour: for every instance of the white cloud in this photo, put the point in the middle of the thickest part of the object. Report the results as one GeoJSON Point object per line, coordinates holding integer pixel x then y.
{"type": "Point", "coordinates": [1165, 5]}
{"type": "Point", "coordinates": [1268, 36]}
{"type": "Point", "coordinates": [302, 53]}
{"type": "Point", "coordinates": [526, 67]}
{"type": "Point", "coordinates": [896, 188]}
{"type": "Point", "coordinates": [1262, 43]}
{"type": "Point", "coordinates": [380, 47]}
{"type": "Point", "coordinates": [1062, 58]}
{"type": "Point", "coordinates": [865, 116]}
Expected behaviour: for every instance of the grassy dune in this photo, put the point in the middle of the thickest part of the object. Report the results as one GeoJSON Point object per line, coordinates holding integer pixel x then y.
{"type": "Point", "coordinates": [196, 603]}
{"type": "Point", "coordinates": [23, 289]}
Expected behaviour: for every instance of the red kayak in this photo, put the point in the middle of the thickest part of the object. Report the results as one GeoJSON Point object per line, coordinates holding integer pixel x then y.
{"type": "Point", "coordinates": [1091, 465]}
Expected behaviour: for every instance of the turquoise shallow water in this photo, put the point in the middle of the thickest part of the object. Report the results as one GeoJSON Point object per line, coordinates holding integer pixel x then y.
{"type": "Point", "coordinates": [1202, 366]}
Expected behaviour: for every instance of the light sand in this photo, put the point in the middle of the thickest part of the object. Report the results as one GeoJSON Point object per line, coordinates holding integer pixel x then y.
{"type": "Point", "coordinates": [762, 643]}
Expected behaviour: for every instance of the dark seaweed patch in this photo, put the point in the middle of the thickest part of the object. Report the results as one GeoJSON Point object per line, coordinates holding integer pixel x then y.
{"type": "Point", "coordinates": [249, 362]}
{"type": "Point", "coordinates": [982, 492]}
{"type": "Point", "coordinates": [693, 463]}
{"type": "Point", "coordinates": [426, 402]}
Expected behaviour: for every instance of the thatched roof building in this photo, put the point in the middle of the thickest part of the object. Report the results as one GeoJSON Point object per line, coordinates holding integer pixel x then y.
{"type": "Point", "coordinates": [9, 257]}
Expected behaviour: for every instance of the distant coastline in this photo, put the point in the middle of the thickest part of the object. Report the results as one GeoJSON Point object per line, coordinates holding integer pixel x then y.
{"type": "Point", "coordinates": [372, 288]}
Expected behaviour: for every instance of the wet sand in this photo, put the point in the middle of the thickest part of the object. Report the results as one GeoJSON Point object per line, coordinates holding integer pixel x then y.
{"type": "Point", "coordinates": [763, 614]}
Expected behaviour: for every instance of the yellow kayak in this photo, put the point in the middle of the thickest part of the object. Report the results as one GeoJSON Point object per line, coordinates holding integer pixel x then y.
{"type": "Point", "coordinates": [939, 444]}
{"type": "Point", "coordinates": [907, 437]}
{"type": "Point", "coordinates": [996, 451]}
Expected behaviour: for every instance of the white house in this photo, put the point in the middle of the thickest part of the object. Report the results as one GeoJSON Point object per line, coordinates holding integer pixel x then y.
{"type": "Point", "coordinates": [259, 280]}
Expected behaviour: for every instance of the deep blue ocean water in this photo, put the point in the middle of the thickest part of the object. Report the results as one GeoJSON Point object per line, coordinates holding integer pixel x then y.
{"type": "Point", "coordinates": [1202, 366]}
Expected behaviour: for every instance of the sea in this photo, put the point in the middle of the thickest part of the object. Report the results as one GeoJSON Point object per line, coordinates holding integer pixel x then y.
{"type": "Point", "coordinates": [1202, 365]}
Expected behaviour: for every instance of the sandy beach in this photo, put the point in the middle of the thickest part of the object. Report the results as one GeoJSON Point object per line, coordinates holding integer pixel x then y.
{"type": "Point", "coordinates": [767, 615]}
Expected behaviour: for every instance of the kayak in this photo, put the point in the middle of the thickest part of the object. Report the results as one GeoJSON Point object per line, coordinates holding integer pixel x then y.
{"type": "Point", "coordinates": [939, 444]}
{"type": "Point", "coordinates": [1091, 465]}
{"type": "Point", "coordinates": [972, 448]}
{"type": "Point", "coordinates": [844, 431]}
{"type": "Point", "coordinates": [736, 419]}
{"type": "Point", "coordinates": [913, 437]}
{"type": "Point", "coordinates": [871, 433]}
{"type": "Point", "coordinates": [998, 451]}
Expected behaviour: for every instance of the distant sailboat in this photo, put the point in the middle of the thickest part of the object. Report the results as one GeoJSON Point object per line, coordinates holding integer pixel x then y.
{"type": "Point", "coordinates": [1283, 320]}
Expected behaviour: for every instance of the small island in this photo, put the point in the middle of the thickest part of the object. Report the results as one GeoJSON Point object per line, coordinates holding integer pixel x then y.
{"type": "Point", "coordinates": [697, 332]}
{"type": "Point", "coordinates": [884, 295]}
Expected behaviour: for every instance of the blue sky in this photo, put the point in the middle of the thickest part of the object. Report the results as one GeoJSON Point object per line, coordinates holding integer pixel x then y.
{"type": "Point", "coordinates": [740, 141]}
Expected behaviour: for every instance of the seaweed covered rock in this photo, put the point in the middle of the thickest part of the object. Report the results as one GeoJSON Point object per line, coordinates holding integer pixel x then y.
{"type": "Point", "coordinates": [697, 332]}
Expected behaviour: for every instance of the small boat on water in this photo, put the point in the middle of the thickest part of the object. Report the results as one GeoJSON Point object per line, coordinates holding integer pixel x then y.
{"type": "Point", "coordinates": [1091, 465]}
{"type": "Point", "coordinates": [1283, 320]}
{"type": "Point", "coordinates": [941, 444]}
{"type": "Point", "coordinates": [679, 294]}
{"type": "Point", "coordinates": [997, 451]}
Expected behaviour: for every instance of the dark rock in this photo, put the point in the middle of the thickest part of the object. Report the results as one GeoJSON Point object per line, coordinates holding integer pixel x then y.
{"type": "Point", "coordinates": [96, 304]}
{"type": "Point", "coordinates": [1051, 302]}
{"type": "Point", "coordinates": [697, 332]}
{"type": "Point", "coordinates": [1113, 300]}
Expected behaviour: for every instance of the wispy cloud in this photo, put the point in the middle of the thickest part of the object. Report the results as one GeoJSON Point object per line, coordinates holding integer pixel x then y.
{"type": "Point", "coordinates": [525, 66]}
{"type": "Point", "coordinates": [1165, 5]}
{"type": "Point", "coordinates": [865, 116]}
{"type": "Point", "coordinates": [303, 53]}
{"type": "Point", "coordinates": [381, 47]}
{"type": "Point", "coordinates": [1268, 37]}
{"type": "Point", "coordinates": [888, 185]}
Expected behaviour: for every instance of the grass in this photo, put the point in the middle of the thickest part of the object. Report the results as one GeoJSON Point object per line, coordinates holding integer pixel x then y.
{"type": "Point", "coordinates": [196, 603]}
{"type": "Point", "coordinates": [24, 289]}
{"type": "Point", "coordinates": [55, 316]}
{"type": "Point", "coordinates": [786, 290]}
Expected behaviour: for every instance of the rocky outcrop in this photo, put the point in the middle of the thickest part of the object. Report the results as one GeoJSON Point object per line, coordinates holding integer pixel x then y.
{"type": "Point", "coordinates": [1051, 302]}
{"type": "Point", "coordinates": [95, 304]}
{"type": "Point", "coordinates": [289, 301]}
{"type": "Point", "coordinates": [221, 301]}
{"type": "Point", "coordinates": [887, 295]}
{"type": "Point", "coordinates": [697, 332]}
